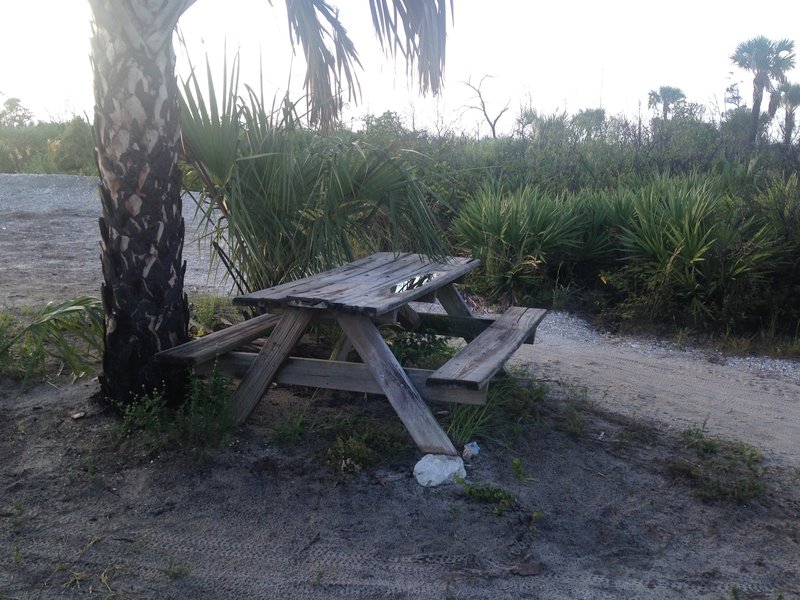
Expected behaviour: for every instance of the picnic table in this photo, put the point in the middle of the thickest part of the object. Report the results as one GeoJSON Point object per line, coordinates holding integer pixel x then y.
{"type": "Point", "coordinates": [360, 296]}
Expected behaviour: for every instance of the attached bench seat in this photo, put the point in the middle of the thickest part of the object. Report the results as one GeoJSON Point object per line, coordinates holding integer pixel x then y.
{"type": "Point", "coordinates": [206, 348]}
{"type": "Point", "coordinates": [480, 360]}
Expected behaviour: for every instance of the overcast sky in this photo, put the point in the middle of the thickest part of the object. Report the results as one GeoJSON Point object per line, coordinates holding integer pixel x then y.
{"type": "Point", "coordinates": [562, 55]}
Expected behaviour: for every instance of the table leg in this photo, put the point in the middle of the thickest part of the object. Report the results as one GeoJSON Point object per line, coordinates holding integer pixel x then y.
{"type": "Point", "coordinates": [454, 305]}
{"type": "Point", "coordinates": [452, 301]}
{"type": "Point", "coordinates": [404, 397]}
{"type": "Point", "coordinates": [292, 325]}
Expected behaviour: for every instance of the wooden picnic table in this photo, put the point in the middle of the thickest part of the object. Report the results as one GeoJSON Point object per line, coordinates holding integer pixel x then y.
{"type": "Point", "coordinates": [360, 296]}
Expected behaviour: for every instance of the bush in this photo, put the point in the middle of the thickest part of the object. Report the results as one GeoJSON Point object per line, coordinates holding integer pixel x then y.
{"type": "Point", "coordinates": [522, 238]}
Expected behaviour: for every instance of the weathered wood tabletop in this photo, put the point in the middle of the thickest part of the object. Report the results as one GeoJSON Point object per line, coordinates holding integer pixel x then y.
{"type": "Point", "coordinates": [372, 286]}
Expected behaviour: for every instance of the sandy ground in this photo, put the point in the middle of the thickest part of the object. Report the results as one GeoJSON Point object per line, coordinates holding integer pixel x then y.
{"type": "Point", "coordinates": [80, 517]}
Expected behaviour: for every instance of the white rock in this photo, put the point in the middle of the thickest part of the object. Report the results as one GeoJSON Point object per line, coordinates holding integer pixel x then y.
{"type": "Point", "coordinates": [436, 469]}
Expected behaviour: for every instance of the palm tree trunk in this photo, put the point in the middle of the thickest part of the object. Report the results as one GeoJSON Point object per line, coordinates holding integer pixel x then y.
{"type": "Point", "coordinates": [137, 136]}
{"type": "Point", "coordinates": [788, 128]}
{"type": "Point", "coordinates": [755, 117]}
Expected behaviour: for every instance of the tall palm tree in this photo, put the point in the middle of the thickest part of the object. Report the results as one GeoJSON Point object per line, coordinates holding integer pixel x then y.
{"type": "Point", "coordinates": [790, 100]}
{"type": "Point", "coordinates": [665, 97]}
{"type": "Point", "coordinates": [769, 61]}
{"type": "Point", "coordinates": [137, 138]}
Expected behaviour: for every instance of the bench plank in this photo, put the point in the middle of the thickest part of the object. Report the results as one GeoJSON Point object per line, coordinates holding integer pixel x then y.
{"type": "Point", "coordinates": [448, 325]}
{"type": "Point", "coordinates": [475, 364]}
{"type": "Point", "coordinates": [215, 344]}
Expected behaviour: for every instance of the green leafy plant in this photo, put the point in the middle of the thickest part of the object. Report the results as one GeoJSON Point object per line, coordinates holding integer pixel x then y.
{"type": "Point", "coordinates": [291, 430]}
{"type": "Point", "coordinates": [350, 455]}
{"type": "Point", "coordinates": [500, 498]}
{"type": "Point", "coordinates": [208, 313]}
{"type": "Point", "coordinates": [518, 469]}
{"type": "Point", "coordinates": [69, 333]}
{"type": "Point", "coordinates": [419, 349]}
{"type": "Point", "coordinates": [360, 443]}
{"type": "Point", "coordinates": [574, 421]}
{"type": "Point", "coordinates": [281, 202]}
{"type": "Point", "coordinates": [519, 236]}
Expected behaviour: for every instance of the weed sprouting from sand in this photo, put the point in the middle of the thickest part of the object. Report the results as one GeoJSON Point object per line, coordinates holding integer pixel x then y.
{"type": "Point", "coordinates": [175, 569]}
{"type": "Point", "coordinates": [291, 430]}
{"type": "Point", "coordinates": [720, 469]}
{"type": "Point", "coordinates": [512, 402]}
{"type": "Point", "coordinates": [16, 555]}
{"type": "Point", "coordinates": [209, 313]}
{"type": "Point", "coordinates": [203, 420]}
{"type": "Point", "coordinates": [361, 443]}
{"type": "Point", "coordinates": [518, 469]}
{"type": "Point", "coordinates": [500, 499]}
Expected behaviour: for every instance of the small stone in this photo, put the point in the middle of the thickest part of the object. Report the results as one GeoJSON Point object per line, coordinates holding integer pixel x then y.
{"type": "Point", "coordinates": [437, 469]}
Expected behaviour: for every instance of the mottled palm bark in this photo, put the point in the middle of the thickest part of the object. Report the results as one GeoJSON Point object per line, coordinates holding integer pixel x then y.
{"type": "Point", "coordinates": [760, 82]}
{"type": "Point", "coordinates": [137, 136]}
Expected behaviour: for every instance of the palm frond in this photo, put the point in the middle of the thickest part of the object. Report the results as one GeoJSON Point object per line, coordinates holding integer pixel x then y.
{"type": "Point", "coordinates": [417, 29]}
{"type": "Point", "coordinates": [330, 57]}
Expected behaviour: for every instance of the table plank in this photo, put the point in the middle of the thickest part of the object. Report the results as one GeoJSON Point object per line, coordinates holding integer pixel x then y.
{"type": "Point", "coordinates": [372, 294]}
{"type": "Point", "coordinates": [284, 337]}
{"type": "Point", "coordinates": [280, 293]}
{"type": "Point", "coordinates": [398, 388]}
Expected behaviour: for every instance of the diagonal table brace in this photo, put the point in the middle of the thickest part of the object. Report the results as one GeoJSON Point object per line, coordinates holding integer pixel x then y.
{"type": "Point", "coordinates": [393, 380]}
{"type": "Point", "coordinates": [292, 325]}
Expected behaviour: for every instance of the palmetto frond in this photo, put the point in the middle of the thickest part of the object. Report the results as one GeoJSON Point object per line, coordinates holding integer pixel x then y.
{"type": "Point", "coordinates": [290, 201]}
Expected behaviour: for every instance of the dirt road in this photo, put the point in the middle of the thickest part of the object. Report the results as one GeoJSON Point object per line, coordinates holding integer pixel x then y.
{"type": "Point", "coordinates": [756, 400]}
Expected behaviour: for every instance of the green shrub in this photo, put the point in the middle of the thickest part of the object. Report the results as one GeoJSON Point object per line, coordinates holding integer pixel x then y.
{"type": "Point", "coordinates": [419, 350]}
{"type": "Point", "coordinates": [285, 201]}
{"type": "Point", "coordinates": [500, 498]}
{"type": "Point", "coordinates": [67, 336]}
{"type": "Point", "coordinates": [521, 238]}
{"type": "Point", "coordinates": [688, 250]}
{"type": "Point", "coordinates": [73, 150]}
{"type": "Point", "coordinates": [360, 443]}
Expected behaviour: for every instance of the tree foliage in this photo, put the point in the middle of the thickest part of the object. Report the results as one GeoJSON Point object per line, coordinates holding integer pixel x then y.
{"type": "Point", "coordinates": [769, 61]}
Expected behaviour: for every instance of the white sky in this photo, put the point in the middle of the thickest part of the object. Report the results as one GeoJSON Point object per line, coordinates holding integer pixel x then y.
{"type": "Point", "coordinates": [565, 54]}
